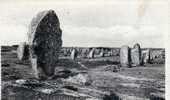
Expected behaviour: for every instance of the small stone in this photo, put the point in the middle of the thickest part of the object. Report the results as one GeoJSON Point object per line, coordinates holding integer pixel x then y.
{"type": "Point", "coordinates": [81, 78]}
{"type": "Point", "coordinates": [23, 51]}
{"type": "Point", "coordinates": [112, 68]}
{"type": "Point", "coordinates": [20, 81]}
{"type": "Point", "coordinates": [145, 56]}
{"type": "Point", "coordinates": [74, 54]}
{"type": "Point", "coordinates": [101, 53]}
{"type": "Point", "coordinates": [91, 54]}
{"type": "Point", "coordinates": [136, 55]}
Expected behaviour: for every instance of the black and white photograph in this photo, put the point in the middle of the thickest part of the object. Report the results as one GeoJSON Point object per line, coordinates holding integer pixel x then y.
{"type": "Point", "coordinates": [83, 49]}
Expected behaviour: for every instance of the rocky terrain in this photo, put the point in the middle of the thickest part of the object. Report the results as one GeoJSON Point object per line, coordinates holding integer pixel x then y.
{"type": "Point", "coordinates": [98, 78]}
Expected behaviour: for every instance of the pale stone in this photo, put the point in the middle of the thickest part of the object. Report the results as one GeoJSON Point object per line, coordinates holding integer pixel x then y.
{"type": "Point", "coordinates": [23, 51]}
{"type": "Point", "coordinates": [91, 54]}
{"type": "Point", "coordinates": [101, 53]}
{"type": "Point", "coordinates": [136, 55]}
{"type": "Point", "coordinates": [145, 55]}
{"type": "Point", "coordinates": [74, 54]}
{"type": "Point", "coordinates": [84, 53]}
{"type": "Point", "coordinates": [124, 56]}
{"type": "Point", "coordinates": [79, 79]}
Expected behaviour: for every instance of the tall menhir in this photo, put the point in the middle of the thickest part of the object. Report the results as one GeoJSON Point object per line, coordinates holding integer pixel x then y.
{"type": "Point", "coordinates": [44, 38]}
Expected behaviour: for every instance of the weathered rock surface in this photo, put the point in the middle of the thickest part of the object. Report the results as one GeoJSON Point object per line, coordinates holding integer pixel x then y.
{"type": "Point", "coordinates": [38, 90]}
{"type": "Point", "coordinates": [63, 73]}
{"type": "Point", "coordinates": [136, 55]}
{"type": "Point", "coordinates": [145, 56]}
{"type": "Point", "coordinates": [74, 54]}
{"type": "Point", "coordinates": [112, 68]}
{"type": "Point", "coordinates": [23, 51]}
{"type": "Point", "coordinates": [157, 56]}
{"type": "Point", "coordinates": [102, 53]}
{"type": "Point", "coordinates": [125, 56]}
{"type": "Point", "coordinates": [81, 78]}
{"type": "Point", "coordinates": [157, 96]}
{"type": "Point", "coordinates": [91, 54]}
{"type": "Point", "coordinates": [45, 42]}
{"type": "Point", "coordinates": [84, 53]}
{"type": "Point", "coordinates": [132, 84]}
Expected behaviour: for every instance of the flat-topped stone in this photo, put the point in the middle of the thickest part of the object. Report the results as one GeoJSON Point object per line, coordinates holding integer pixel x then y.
{"type": "Point", "coordinates": [125, 56]}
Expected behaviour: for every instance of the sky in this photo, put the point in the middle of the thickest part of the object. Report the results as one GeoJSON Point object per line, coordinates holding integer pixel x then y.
{"type": "Point", "coordinates": [89, 23]}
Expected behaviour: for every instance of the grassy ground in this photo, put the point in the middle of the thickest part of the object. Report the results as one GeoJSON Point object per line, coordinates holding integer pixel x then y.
{"type": "Point", "coordinates": [129, 83]}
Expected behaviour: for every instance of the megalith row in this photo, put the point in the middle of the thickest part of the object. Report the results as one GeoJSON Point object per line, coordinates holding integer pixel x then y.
{"type": "Point", "coordinates": [130, 57]}
{"type": "Point", "coordinates": [74, 53]}
{"type": "Point", "coordinates": [45, 42]}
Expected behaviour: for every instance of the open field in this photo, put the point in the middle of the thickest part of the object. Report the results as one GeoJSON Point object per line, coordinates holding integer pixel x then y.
{"type": "Point", "coordinates": [137, 83]}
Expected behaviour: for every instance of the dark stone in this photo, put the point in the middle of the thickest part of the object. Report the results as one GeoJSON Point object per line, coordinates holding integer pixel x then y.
{"type": "Point", "coordinates": [5, 65]}
{"type": "Point", "coordinates": [71, 88]}
{"type": "Point", "coordinates": [112, 96]}
{"type": "Point", "coordinates": [45, 42]}
{"type": "Point", "coordinates": [157, 96]}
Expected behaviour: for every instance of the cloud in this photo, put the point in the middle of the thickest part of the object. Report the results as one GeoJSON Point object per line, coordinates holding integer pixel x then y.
{"type": "Point", "coordinates": [85, 23]}
{"type": "Point", "coordinates": [114, 36]}
{"type": "Point", "coordinates": [12, 34]}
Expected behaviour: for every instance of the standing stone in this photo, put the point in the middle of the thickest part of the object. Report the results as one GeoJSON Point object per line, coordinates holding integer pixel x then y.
{"type": "Point", "coordinates": [125, 56]}
{"type": "Point", "coordinates": [91, 54]}
{"type": "Point", "coordinates": [84, 53]}
{"type": "Point", "coordinates": [145, 55]}
{"type": "Point", "coordinates": [136, 55]}
{"type": "Point", "coordinates": [64, 51]}
{"type": "Point", "coordinates": [74, 54]}
{"type": "Point", "coordinates": [101, 53]}
{"type": "Point", "coordinates": [44, 37]}
{"type": "Point", "coordinates": [23, 51]}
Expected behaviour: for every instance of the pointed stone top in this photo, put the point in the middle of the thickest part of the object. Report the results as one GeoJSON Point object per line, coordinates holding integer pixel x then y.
{"type": "Point", "coordinates": [44, 39]}
{"type": "Point", "coordinates": [36, 21]}
{"type": "Point", "coordinates": [41, 15]}
{"type": "Point", "coordinates": [136, 45]}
